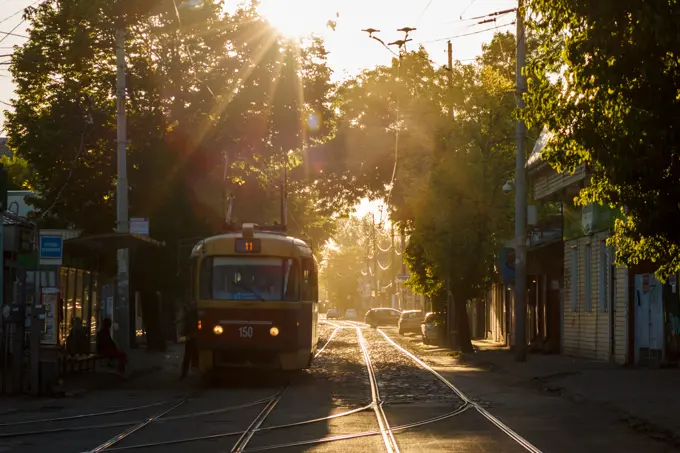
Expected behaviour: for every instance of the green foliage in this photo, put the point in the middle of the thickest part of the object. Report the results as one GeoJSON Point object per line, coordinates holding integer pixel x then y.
{"type": "Point", "coordinates": [18, 172]}
{"type": "Point", "coordinates": [203, 89]}
{"type": "Point", "coordinates": [606, 86]}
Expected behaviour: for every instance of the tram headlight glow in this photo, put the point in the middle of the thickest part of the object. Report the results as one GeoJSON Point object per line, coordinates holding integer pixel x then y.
{"type": "Point", "coordinates": [274, 331]}
{"type": "Point", "coordinates": [218, 330]}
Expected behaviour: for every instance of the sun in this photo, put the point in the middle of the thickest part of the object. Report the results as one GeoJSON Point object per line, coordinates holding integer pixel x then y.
{"type": "Point", "coordinates": [296, 18]}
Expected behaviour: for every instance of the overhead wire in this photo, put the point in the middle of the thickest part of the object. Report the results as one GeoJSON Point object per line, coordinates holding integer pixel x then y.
{"type": "Point", "coordinates": [188, 51]}
{"type": "Point", "coordinates": [19, 12]}
{"type": "Point", "coordinates": [422, 14]}
{"type": "Point", "coordinates": [11, 32]}
{"type": "Point", "coordinates": [469, 34]}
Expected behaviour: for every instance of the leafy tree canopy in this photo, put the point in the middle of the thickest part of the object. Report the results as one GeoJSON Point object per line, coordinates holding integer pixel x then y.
{"type": "Point", "coordinates": [606, 86]}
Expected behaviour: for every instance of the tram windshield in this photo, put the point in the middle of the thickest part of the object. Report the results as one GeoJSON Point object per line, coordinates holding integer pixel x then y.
{"type": "Point", "coordinates": [254, 278]}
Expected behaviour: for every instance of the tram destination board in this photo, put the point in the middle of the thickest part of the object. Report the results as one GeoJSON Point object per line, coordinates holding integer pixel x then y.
{"type": "Point", "coordinates": [248, 246]}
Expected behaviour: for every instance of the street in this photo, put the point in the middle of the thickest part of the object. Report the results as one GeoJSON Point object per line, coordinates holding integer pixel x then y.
{"type": "Point", "coordinates": [363, 393]}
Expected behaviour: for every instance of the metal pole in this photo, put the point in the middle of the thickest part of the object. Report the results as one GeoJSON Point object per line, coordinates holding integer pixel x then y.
{"type": "Point", "coordinates": [122, 312]}
{"type": "Point", "coordinates": [393, 269]}
{"type": "Point", "coordinates": [449, 50]}
{"type": "Point", "coordinates": [284, 194]}
{"type": "Point", "coordinates": [520, 202]}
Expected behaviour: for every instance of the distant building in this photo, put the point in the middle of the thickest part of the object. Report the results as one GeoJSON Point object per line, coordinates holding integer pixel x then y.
{"type": "Point", "coordinates": [4, 150]}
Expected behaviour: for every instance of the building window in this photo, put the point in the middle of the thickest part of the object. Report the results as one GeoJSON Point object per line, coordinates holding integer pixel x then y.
{"type": "Point", "coordinates": [574, 279]}
{"type": "Point", "coordinates": [604, 277]}
{"type": "Point", "coordinates": [587, 281]}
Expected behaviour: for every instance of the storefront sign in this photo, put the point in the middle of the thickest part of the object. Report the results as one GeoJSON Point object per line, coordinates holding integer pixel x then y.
{"type": "Point", "coordinates": [139, 225]}
{"type": "Point", "coordinates": [50, 300]}
{"type": "Point", "coordinates": [51, 250]}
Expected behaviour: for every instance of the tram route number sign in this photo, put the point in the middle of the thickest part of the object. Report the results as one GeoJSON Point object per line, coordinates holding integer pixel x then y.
{"type": "Point", "coordinates": [248, 246]}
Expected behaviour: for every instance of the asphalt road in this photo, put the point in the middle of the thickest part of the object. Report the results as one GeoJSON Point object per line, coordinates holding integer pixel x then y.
{"type": "Point", "coordinates": [363, 393]}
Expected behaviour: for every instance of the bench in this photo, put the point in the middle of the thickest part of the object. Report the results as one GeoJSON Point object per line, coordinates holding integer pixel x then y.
{"type": "Point", "coordinates": [78, 363]}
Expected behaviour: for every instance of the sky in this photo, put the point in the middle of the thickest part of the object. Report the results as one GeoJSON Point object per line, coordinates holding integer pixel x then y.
{"type": "Point", "coordinates": [349, 48]}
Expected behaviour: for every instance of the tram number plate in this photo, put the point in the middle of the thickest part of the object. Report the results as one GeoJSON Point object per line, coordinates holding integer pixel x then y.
{"type": "Point", "coordinates": [245, 331]}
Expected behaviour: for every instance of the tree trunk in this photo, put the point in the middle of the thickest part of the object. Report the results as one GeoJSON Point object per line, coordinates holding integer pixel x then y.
{"type": "Point", "coordinates": [462, 323]}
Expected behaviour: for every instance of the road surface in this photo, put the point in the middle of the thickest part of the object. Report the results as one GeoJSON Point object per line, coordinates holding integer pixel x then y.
{"type": "Point", "coordinates": [364, 392]}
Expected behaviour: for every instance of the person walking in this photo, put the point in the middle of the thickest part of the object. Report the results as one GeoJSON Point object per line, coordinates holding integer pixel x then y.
{"type": "Point", "coordinates": [190, 347]}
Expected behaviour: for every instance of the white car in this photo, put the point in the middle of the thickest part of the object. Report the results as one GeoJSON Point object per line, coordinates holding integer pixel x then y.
{"type": "Point", "coordinates": [332, 313]}
{"type": "Point", "coordinates": [350, 313]}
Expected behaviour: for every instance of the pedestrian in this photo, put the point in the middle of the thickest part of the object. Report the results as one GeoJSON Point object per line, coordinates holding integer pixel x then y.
{"type": "Point", "coordinates": [190, 346]}
{"type": "Point", "coordinates": [106, 347]}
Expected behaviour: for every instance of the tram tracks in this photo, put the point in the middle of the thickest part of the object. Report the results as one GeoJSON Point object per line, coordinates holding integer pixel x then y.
{"type": "Point", "coordinates": [467, 401]}
{"type": "Point", "coordinates": [244, 436]}
{"type": "Point", "coordinates": [384, 425]}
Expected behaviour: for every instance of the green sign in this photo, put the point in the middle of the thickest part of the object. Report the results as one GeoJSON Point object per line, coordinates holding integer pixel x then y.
{"type": "Point", "coordinates": [584, 220]}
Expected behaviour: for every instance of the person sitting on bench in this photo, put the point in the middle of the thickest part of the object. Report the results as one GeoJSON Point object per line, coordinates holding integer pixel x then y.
{"type": "Point", "coordinates": [106, 347]}
{"type": "Point", "coordinates": [76, 342]}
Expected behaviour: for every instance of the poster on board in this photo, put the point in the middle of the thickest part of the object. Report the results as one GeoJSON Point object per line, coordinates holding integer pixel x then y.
{"type": "Point", "coordinates": [50, 300]}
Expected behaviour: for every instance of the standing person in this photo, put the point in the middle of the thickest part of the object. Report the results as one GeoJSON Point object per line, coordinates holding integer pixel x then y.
{"type": "Point", "coordinates": [107, 347]}
{"type": "Point", "coordinates": [190, 347]}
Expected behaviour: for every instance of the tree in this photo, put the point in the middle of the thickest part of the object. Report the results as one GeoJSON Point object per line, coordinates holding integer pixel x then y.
{"type": "Point", "coordinates": [205, 90]}
{"type": "Point", "coordinates": [195, 99]}
{"type": "Point", "coordinates": [18, 172]}
{"type": "Point", "coordinates": [607, 88]}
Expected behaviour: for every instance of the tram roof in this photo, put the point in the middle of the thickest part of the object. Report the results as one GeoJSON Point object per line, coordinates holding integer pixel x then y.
{"type": "Point", "coordinates": [271, 236]}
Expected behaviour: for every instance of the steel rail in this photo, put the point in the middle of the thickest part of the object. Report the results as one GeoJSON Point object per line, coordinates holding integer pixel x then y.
{"type": "Point", "coordinates": [81, 416]}
{"type": "Point", "coordinates": [238, 433]}
{"type": "Point", "coordinates": [114, 440]}
{"type": "Point", "coordinates": [248, 434]}
{"type": "Point", "coordinates": [499, 424]}
{"type": "Point", "coordinates": [438, 418]}
{"type": "Point", "coordinates": [128, 423]}
{"type": "Point", "coordinates": [385, 430]}
{"type": "Point", "coordinates": [318, 353]}
{"type": "Point", "coordinates": [321, 440]}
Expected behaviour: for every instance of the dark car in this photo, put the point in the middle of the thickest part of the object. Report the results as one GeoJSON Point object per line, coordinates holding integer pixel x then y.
{"type": "Point", "coordinates": [376, 317]}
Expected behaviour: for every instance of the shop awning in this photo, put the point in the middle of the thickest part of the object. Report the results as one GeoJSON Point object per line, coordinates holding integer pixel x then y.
{"type": "Point", "coordinates": [109, 243]}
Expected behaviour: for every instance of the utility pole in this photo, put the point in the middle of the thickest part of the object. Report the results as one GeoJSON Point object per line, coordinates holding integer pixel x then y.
{"type": "Point", "coordinates": [374, 251]}
{"type": "Point", "coordinates": [393, 268]}
{"type": "Point", "coordinates": [449, 51]}
{"type": "Point", "coordinates": [520, 201]}
{"type": "Point", "coordinates": [284, 195]}
{"type": "Point", "coordinates": [122, 312]}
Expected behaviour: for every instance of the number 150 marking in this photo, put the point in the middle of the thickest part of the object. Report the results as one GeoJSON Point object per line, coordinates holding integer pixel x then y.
{"type": "Point", "coordinates": [245, 331]}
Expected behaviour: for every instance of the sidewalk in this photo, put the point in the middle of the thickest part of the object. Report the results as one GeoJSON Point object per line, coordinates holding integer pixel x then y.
{"type": "Point", "coordinates": [141, 363]}
{"type": "Point", "coordinates": [647, 399]}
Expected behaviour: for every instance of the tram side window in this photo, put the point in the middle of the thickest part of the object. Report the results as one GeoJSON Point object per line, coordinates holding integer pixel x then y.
{"type": "Point", "coordinates": [309, 280]}
{"type": "Point", "coordinates": [291, 282]}
{"type": "Point", "coordinates": [205, 279]}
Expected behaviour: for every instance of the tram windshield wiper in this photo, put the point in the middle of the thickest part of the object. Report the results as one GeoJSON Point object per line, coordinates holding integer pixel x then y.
{"type": "Point", "coordinates": [250, 290]}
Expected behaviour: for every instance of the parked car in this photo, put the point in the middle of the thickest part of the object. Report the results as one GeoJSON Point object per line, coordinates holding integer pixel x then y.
{"type": "Point", "coordinates": [431, 327]}
{"type": "Point", "coordinates": [376, 317]}
{"type": "Point", "coordinates": [409, 321]}
{"type": "Point", "coordinates": [332, 313]}
{"type": "Point", "coordinates": [350, 313]}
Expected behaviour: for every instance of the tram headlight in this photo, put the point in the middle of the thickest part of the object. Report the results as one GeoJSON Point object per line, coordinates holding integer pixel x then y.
{"type": "Point", "coordinates": [274, 331]}
{"type": "Point", "coordinates": [218, 330]}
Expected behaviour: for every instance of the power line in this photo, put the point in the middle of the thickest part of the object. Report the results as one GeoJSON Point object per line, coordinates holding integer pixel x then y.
{"type": "Point", "coordinates": [186, 48]}
{"type": "Point", "coordinates": [469, 34]}
{"type": "Point", "coordinates": [19, 12]}
{"type": "Point", "coordinates": [466, 8]}
{"type": "Point", "coordinates": [70, 173]}
{"type": "Point", "coordinates": [424, 11]}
